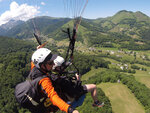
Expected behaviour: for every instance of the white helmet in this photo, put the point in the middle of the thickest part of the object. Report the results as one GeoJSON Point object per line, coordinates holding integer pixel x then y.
{"type": "Point", "coordinates": [41, 55]}
{"type": "Point", "coordinates": [58, 61]}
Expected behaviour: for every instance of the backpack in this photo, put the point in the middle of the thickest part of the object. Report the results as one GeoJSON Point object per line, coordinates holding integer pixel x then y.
{"type": "Point", "coordinates": [26, 93]}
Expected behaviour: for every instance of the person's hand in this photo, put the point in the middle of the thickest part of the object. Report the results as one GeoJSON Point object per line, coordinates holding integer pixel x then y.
{"type": "Point", "coordinates": [78, 77]}
{"type": "Point", "coordinates": [75, 111]}
{"type": "Point", "coordinates": [38, 47]}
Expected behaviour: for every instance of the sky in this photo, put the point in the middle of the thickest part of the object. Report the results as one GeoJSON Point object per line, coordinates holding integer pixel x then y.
{"type": "Point", "coordinates": [26, 9]}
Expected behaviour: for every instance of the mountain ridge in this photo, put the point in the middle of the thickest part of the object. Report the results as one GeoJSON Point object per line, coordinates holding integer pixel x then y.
{"type": "Point", "coordinates": [133, 24]}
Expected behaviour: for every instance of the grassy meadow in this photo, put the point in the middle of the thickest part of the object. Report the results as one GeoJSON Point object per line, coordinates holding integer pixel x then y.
{"type": "Point", "coordinates": [121, 98]}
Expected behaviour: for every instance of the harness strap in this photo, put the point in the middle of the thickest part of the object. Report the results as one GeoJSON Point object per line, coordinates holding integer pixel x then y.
{"type": "Point", "coordinates": [31, 100]}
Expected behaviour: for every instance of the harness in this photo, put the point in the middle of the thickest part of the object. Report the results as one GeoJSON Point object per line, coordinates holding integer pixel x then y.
{"type": "Point", "coordinates": [29, 96]}
{"type": "Point", "coordinates": [68, 88]}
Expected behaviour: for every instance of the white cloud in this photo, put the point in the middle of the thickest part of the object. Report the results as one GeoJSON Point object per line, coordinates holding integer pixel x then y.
{"type": "Point", "coordinates": [42, 3]}
{"type": "Point", "coordinates": [18, 12]}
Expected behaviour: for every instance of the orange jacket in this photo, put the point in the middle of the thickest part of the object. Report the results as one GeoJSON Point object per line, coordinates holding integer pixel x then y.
{"type": "Point", "coordinates": [51, 93]}
{"type": "Point", "coordinates": [32, 65]}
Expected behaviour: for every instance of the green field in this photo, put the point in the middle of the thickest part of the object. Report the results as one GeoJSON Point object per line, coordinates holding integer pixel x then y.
{"type": "Point", "coordinates": [143, 77]}
{"type": "Point", "coordinates": [91, 73]}
{"type": "Point", "coordinates": [121, 98]}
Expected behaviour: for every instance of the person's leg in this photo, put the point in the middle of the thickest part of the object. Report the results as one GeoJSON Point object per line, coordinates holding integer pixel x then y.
{"type": "Point", "coordinates": [89, 88]}
{"type": "Point", "coordinates": [92, 88]}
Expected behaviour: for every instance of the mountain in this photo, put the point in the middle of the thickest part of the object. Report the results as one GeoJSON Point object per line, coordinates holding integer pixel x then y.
{"type": "Point", "coordinates": [130, 23]}
{"type": "Point", "coordinates": [123, 15]}
{"type": "Point", "coordinates": [127, 24]}
{"type": "Point", "coordinates": [4, 28]}
{"type": "Point", "coordinates": [12, 23]}
{"type": "Point", "coordinates": [26, 29]}
{"type": "Point", "coordinates": [2, 31]}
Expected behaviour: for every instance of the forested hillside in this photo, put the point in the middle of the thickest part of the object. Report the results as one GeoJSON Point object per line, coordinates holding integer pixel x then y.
{"type": "Point", "coordinates": [15, 66]}
{"type": "Point", "coordinates": [114, 49]}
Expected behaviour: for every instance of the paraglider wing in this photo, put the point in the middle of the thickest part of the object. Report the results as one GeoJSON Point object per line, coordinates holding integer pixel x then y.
{"type": "Point", "coordinates": [37, 38]}
{"type": "Point", "coordinates": [74, 9]}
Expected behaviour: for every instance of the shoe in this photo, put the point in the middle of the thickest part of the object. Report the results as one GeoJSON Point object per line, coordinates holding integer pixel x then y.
{"type": "Point", "coordinates": [98, 104]}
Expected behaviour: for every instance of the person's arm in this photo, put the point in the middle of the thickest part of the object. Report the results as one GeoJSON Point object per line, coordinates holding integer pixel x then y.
{"type": "Point", "coordinates": [54, 98]}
